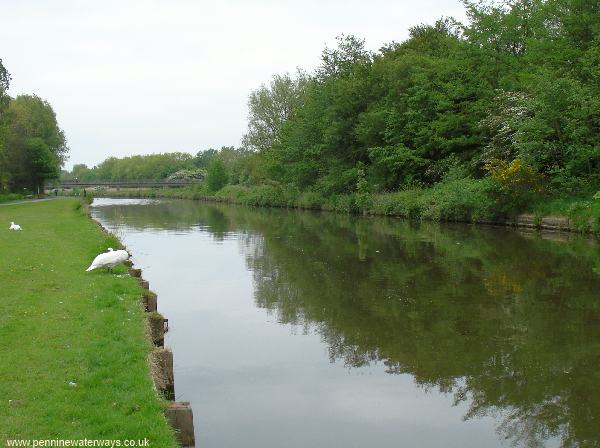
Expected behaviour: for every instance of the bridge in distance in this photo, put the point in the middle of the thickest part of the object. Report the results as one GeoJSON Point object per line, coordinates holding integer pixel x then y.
{"type": "Point", "coordinates": [125, 183]}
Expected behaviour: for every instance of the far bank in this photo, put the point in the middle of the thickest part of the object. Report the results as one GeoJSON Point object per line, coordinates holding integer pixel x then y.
{"type": "Point", "coordinates": [465, 200]}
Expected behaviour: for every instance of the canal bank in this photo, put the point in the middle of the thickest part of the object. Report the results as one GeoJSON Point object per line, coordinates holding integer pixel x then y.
{"type": "Point", "coordinates": [578, 220]}
{"type": "Point", "coordinates": [75, 349]}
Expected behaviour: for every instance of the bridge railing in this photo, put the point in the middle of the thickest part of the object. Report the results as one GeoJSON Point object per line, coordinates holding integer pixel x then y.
{"type": "Point", "coordinates": [127, 183]}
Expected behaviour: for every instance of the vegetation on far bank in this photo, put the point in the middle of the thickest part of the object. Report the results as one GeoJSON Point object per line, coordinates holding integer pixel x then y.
{"type": "Point", "coordinates": [462, 200]}
{"type": "Point", "coordinates": [496, 116]}
{"type": "Point", "coordinates": [74, 351]}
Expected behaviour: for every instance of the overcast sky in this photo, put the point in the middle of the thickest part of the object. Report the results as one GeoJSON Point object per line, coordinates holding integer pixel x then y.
{"type": "Point", "coordinates": [142, 76]}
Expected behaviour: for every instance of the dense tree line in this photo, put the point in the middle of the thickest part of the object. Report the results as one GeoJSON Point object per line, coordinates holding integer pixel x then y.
{"type": "Point", "coordinates": [520, 82]}
{"type": "Point", "coordinates": [507, 105]}
{"type": "Point", "coordinates": [32, 146]}
{"type": "Point", "coordinates": [152, 166]}
{"type": "Point", "coordinates": [218, 166]}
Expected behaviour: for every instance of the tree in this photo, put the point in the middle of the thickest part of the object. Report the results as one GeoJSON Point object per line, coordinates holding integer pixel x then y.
{"type": "Point", "coordinates": [350, 52]}
{"type": "Point", "coordinates": [42, 163]}
{"type": "Point", "coordinates": [519, 84]}
{"type": "Point", "coordinates": [242, 165]}
{"type": "Point", "coordinates": [34, 146]}
{"type": "Point", "coordinates": [502, 123]}
{"type": "Point", "coordinates": [80, 171]}
{"type": "Point", "coordinates": [149, 166]}
{"type": "Point", "coordinates": [271, 106]}
{"type": "Point", "coordinates": [4, 84]}
{"type": "Point", "coordinates": [203, 158]}
{"type": "Point", "coordinates": [4, 98]}
{"type": "Point", "coordinates": [217, 176]}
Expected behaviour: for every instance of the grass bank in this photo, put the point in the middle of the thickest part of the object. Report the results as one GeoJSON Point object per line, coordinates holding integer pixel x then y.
{"type": "Point", "coordinates": [461, 200]}
{"type": "Point", "coordinates": [74, 351]}
{"type": "Point", "coordinates": [8, 197]}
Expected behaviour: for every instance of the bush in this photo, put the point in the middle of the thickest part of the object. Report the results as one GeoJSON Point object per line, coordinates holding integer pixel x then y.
{"type": "Point", "coordinates": [216, 176]}
{"type": "Point", "coordinates": [346, 203]}
{"type": "Point", "coordinates": [516, 185]}
{"type": "Point", "coordinates": [261, 195]}
{"type": "Point", "coordinates": [10, 197]}
{"type": "Point", "coordinates": [407, 204]}
{"type": "Point", "coordinates": [311, 200]}
{"type": "Point", "coordinates": [460, 200]}
{"type": "Point", "coordinates": [455, 200]}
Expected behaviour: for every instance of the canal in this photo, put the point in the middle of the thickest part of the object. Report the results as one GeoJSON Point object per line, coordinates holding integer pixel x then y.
{"type": "Point", "coordinates": [305, 329]}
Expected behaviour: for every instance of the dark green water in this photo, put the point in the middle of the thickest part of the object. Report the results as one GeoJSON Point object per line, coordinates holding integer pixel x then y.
{"type": "Point", "coordinates": [299, 329]}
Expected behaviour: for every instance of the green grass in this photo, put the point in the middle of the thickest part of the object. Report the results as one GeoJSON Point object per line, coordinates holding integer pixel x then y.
{"type": "Point", "coordinates": [583, 212]}
{"type": "Point", "coordinates": [60, 324]}
{"type": "Point", "coordinates": [7, 197]}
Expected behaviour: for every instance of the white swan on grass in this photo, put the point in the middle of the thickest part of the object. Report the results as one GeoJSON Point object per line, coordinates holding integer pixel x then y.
{"type": "Point", "coordinates": [14, 226]}
{"type": "Point", "coordinates": [109, 259]}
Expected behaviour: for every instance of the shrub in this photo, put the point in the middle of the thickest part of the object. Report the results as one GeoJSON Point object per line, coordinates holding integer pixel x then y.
{"type": "Point", "coordinates": [10, 197]}
{"type": "Point", "coordinates": [407, 204]}
{"type": "Point", "coordinates": [216, 176]}
{"type": "Point", "coordinates": [460, 200]}
{"type": "Point", "coordinates": [346, 203]}
{"type": "Point", "coordinates": [311, 200]}
{"type": "Point", "coordinates": [516, 185]}
{"type": "Point", "coordinates": [455, 200]}
{"type": "Point", "coordinates": [516, 176]}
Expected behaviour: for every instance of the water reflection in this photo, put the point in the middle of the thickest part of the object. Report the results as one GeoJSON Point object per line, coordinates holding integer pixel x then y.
{"type": "Point", "coordinates": [505, 322]}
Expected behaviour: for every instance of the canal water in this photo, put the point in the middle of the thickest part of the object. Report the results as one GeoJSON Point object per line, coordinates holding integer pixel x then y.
{"type": "Point", "coordinates": [304, 329]}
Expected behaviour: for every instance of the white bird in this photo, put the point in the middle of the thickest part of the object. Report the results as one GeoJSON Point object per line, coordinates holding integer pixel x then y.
{"type": "Point", "coordinates": [109, 259]}
{"type": "Point", "coordinates": [14, 226]}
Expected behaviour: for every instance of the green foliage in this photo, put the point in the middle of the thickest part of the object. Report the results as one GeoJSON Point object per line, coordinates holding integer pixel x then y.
{"type": "Point", "coordinates": [260, 196]}
{"type": "Point", "coordinates": [43, 163]}
{"type": "Point", "coordinates": [453, 106]}
{"type": "Point", "coordinates": [33, 146]}
{"type": "Point", "coordinates": [241, 166]}
{"type": "Point", "coordinates": [139, 167]}
{"type": "Point", "coordinates": [4, 84]}
{"type": "Point", "coordinates": [270, 107]}
{"type": "Point", "coordinates": [216, 176]}
{"type": "Point", "coordinates": [362, 189]}
{"type": "Point", "coordinates": [203, 158]}
{"type": "Point", "coordinates": [396, 165]}
{"type": "Point", "coordinates": [341, 61]}
{"type": "Point", "coordinates": [10, 197]}
{"type": "Point", "coordinates": [398, 112]}
{"type": "Point", "coordinates": [582, 210]}
{"type": "Point", "coordinates": [448, 101]}
{"type": "Point", "coordinates": [466, 200]}
{"type": "Point", "coordinates": [311, 200]}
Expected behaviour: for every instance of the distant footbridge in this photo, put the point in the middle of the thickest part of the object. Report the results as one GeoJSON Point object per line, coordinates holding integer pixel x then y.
{"type": "Point", "coordinates": [123, 183]}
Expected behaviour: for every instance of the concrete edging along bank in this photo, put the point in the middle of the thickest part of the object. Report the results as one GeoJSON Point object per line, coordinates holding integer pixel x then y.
{"type": "Point", "coordinates": [179, 413]}
{"type": "Point", "coordinates": [551, 223]}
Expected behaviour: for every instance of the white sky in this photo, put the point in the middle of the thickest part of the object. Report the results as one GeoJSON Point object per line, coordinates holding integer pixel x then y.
{"type": "Point", "coordinates": [142, 76]}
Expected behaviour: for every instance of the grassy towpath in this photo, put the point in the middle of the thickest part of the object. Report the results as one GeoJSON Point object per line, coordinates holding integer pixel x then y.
{"type": "Point", "coordinates": [27, 201]}
{"type": "Point", "coordinates": [73, 353]}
